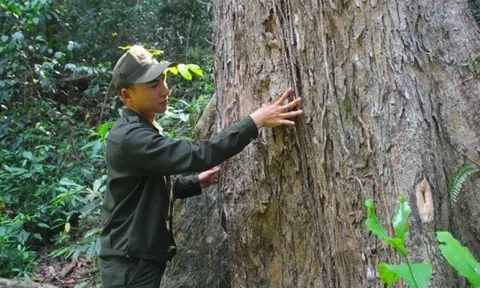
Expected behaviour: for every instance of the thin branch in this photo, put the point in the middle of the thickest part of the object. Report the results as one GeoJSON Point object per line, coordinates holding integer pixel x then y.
{"type": "Point", "coordinates": [104, 103]}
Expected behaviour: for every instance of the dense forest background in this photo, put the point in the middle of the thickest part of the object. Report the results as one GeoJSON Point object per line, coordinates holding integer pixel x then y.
{"type": "Point", "coordinates": [56, 59]}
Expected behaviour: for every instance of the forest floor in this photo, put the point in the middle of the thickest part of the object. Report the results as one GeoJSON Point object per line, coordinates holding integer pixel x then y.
{"type": "Point", "coordinates": [80, 273]}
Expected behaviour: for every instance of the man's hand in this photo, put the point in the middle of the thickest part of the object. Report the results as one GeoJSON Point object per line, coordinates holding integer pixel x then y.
{"type": "Point", "coordinates": [209, 177]}
{"type": "Point", "coordinates": [276, 114]}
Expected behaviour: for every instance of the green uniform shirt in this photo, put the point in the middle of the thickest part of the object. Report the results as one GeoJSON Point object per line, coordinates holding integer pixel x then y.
{"type": "Point", "coordinates": [137, 208]}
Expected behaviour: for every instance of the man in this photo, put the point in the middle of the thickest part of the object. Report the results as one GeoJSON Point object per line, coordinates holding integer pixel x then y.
{"type": "Point", "coordinates": [137, 239]}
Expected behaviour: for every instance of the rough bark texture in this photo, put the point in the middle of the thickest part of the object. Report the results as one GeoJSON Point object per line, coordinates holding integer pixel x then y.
{"type": "Point", "coordinates": [388, 112]}
{"type": "Point", "coordinates": [202, 257]}
{"type": "Point", "coordinates": [199, 225]}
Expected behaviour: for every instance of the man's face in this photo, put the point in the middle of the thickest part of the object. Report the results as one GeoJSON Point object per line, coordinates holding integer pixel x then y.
{"type": "Point", "coordinates": [149, 98]}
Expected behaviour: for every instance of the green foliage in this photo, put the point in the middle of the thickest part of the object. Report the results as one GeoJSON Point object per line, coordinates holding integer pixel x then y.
{"type": "Point", "coordinates": [52, 164]}
{"type": "Point", "coordinates": [388, 276]}
{"type": "Point", "coordinates": [103, 129]}
{"type": "Point", "coordinates": [184, 70]}
{"type": "Point", "coordinates": [400, 220]}
{"type": "Point", "coordinates": [22, 28]}
{"type": "Point", "coordinates": [460, 258]}
{"type": "Point", "coordinates": [181, 28]}
{"type": "Point", "coordinates": [33, 55]}
{"type": "Point", "coordinates": [16, 257]}
{"type": "Point", "coordinates": [416, 275]}
{"type": "Point", "coordinates": [459, 179]}
{"type": "Point", "coordinates": [44, 54]}
{"type": "Point", "coordinates": [475, 6]}
{"type": "Point", "coordinates": [181, 117]}
{"type": "Point", "coordinates": [473, 62]}
{"type": "Point", "coordinates": [45, 181]}
{"type": "Point", "coordinates": [90, 245]}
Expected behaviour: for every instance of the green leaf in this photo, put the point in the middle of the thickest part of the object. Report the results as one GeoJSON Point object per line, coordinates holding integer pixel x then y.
{"type": "Point", "coordinates": [40, 38]}
{"type": "Point", "coordinates": [60, 252]}
{"type": "Point", "coordinates": [182, 68]}
{"type": "Point", "coordinates": [422, 272]}
{"type": "Point", "coordinates": [97, 184]}
{"type": "Point", "coordinates": [27, 155]}
{"type": "Point", "coordinates": [43, 225]}
{"type": "Point", "coordinates": [15, 170]}
{"type": "Point", "coordinates": [93, 232]}
{"type": "Point", "coordinates": [174, 70]}
{"type": "Point", "coordinates": [72, 67]}
{"type": "Point", "coordinates": [184, 117]}
{"type": "Point", "coordinates": [64, 197]}
{"type": "Point", "coordinates": [459, 257]}
{"type": "Point", "coordinates": [18, 37]}
{"type": "Point", "coordinates": [126, 48]}
{"type": "Point", "coordinates": [104, 128]}
{"type": "Point", "coordinates": [374, 225]}
{"type": "Point", "coordinates": [195, 69]}
{"type": "Point", "coordinates": [459, 179]}
{"type": "Point", "coordinates": [400, 219]}
{"type": "Point", "coordinates": [387, 276]}
{"type": "Point", "coordinates": [156, 52]}
{"type": "Point", "coordinates": [399, 244]}
{"type": "Point", "coordinates": [16, 10]}
{"type": "Point", "coordinates": [22, 237]}
{"type": "Point", "coordinates": [67, 182]}
{"type": "Point", "coordinates": [174, 99]}
{"type": "Point", "coordinates": [58, 55]}
{"type": "Point", "coordinates": [37, 236]}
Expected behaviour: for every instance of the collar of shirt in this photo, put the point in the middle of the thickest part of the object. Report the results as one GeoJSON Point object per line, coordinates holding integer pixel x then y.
{"type": "Point", "coordinates": [126, 112]}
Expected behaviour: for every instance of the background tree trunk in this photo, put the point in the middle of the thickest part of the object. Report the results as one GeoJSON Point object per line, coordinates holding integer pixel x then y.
{"type": "Point", "coordinates": [388, 112]}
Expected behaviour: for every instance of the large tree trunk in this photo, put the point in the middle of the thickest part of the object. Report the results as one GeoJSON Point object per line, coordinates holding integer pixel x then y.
{"type": "Point", "coordinates": [388, 112]}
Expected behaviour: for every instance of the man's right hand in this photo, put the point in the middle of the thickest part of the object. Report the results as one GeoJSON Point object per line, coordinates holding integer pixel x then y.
{"type": "Point", "coordinates": [276, 114]}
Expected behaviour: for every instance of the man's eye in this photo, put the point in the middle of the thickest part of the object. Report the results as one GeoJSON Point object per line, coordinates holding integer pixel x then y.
{"type": "Point", "coordinates": [154, 85]}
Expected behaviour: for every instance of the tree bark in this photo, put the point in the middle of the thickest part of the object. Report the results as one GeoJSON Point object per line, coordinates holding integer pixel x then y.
{"type": "Point", "coordinates": [388, 112]}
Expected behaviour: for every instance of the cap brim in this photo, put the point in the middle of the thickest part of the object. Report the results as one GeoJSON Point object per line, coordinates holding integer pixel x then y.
{"type": "Point", "coordinates": [154, 72]}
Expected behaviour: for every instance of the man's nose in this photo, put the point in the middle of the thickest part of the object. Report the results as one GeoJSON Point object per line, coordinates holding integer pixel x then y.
{"type": "Point", "coordinates": [164, 88]}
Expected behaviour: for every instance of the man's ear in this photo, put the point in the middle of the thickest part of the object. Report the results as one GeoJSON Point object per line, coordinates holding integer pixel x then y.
{"type": "Point", "coordinates": [125, 93]}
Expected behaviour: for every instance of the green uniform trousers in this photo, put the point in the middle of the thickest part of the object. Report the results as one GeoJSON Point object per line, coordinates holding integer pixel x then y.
{"type": "Point", "coordinates": [117, 271]}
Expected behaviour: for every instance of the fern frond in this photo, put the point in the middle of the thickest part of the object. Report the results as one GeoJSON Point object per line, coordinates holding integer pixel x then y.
{"type": "Point", "coordinates": [459, 179]}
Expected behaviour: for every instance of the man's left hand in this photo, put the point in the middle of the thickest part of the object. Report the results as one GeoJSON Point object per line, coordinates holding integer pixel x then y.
{"type": "Point", "coordinates": [209, 177]}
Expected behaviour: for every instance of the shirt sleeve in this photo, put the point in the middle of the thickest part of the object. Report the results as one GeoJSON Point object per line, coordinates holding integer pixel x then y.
{"type": "Point", "coordinates": [186, 186]}
{"type": "Point", "coordinates": [142, 147]}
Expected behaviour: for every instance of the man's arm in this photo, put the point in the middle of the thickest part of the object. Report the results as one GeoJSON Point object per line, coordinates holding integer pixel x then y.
{"type": "Point", "coordinates": [186, 186]}
{"type": "Point", "coordinates": [154, 153]}
{"type": "Point", "coordinates": [148, 151]}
